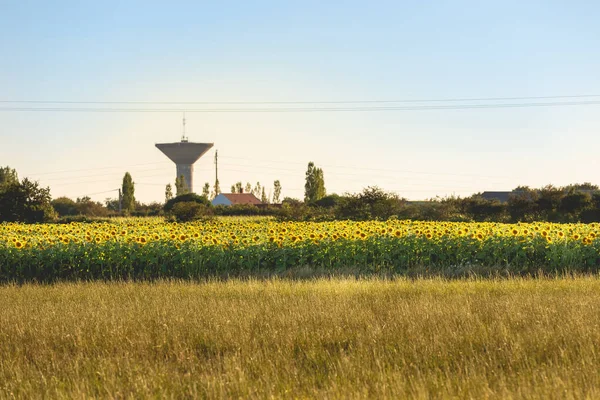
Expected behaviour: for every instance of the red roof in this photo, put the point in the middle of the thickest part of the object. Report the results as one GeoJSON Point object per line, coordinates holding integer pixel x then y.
{"type": "Point", "coordinates": [242, 198]}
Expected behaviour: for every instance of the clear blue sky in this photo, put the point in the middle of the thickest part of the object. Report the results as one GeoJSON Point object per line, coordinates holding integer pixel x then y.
{"type": "Point", "coordinates": [302, 51]}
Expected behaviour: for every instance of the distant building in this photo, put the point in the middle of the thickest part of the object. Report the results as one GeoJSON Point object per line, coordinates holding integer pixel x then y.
{"type": "Point", "coordinates": [502, 197]}
{"type": "Point", "coordinates": [232, 199]}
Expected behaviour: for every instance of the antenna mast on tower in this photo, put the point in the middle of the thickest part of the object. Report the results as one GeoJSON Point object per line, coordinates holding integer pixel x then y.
{"type": "Point", "coordinates": [183, 137]}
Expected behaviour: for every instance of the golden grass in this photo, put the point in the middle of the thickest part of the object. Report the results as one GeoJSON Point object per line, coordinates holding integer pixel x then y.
{"type": "Point", "coordinates": [518, 338]}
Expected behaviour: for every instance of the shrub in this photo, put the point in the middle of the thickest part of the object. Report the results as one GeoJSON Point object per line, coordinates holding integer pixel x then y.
{"type": "Point", "coordinates": [65, 206]}
{"type": "Point", "coordinates": [371, 203]}
{"type": "Point", "coordinates": [25, 201]}
{"type": "Point", "coordinates": [329, 201]}
{"type": "Point", "coordinates": [187, 198]}
{"type": "Point", "coordinates": [190, 210]}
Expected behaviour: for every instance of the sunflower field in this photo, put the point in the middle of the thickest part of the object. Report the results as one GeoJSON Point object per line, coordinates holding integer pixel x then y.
{"type": "Point", "coordinates": [152, 248]}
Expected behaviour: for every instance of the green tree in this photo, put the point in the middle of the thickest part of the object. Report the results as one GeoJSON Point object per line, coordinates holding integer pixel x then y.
{"type": "Point", "coordinates": [25, 201]}
{"type": "Point", "coordinates": [314, 188]}
{"type": "Point", "coordinates": [86, 206]}
{"type": "Point", "coordinates": [522, 204]}
{"type": "Point", "coordinates": [181, 186]}
{"type": "Point", "coordinates": [65, 206]}
{"type": "Point", "coordinates": [372, 203]}
{"type": "Point", "coordinates": [128, 190]}
{"type": "Point", "coordinates": [216, 189]}
{"type": "Point", "coordinates": [548, 201]}
{"type": "Point", "coordinates": [238, 188]}
{"type": "Point", "coordinates": [206, 190]}
{"type": "Point", "coordinates": [585, 186]}
{"type": "Point", "coordinates": [276, 191]}
{"type": "Point", "coordinates": [573, 203]}
{"type": "Point", "coordinates": [329, 201]}
{"type": "Point", "coordinates": [248, 188]}
{"type": "Point", "coordinates": [256, 190]}
{"type": "Point", "coordinates": [8, 176]}
{"type": "Point", "coordinates": [112, 204]}
{"type": "Point", "coordinates": [188, 197]}
{"type": "Point", "coordinates": [481, 209]}
{"type": "Point", "coordinates": [168, 192]}
{"type": "Point", "coordinates": [190, 210]}
{"type": "Point", "coordinates": [263, 198]}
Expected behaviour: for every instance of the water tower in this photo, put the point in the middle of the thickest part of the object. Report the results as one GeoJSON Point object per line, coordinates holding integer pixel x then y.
{"type": "Point", "coordinates": [184, 154]}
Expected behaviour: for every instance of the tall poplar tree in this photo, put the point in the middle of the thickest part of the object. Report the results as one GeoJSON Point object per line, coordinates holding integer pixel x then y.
{"type": "Point", "coordinates": [256, 191]}
{"type": "Point", "coordinates": [128, 190]}
{"type": "Point", "coordinates": [217, 188]}
{"type": "Point", "coordinates": [168, 192]}
{"type": "Point", "coordinates": [263, 198]}
{"type": "Point", "coordinates": [314, 188]}
{"type": "Point", "coordinates": [276, 191]}
{"type": "Point", "coordinates": [181, 186]}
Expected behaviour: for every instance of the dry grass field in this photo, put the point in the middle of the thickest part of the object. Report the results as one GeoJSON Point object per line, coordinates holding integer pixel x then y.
{"type": "Point", "coordinates": [516, 338]}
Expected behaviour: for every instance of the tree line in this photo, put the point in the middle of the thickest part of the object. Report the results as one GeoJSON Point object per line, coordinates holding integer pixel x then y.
{"type": "Point", "coordinates": [26, 201]}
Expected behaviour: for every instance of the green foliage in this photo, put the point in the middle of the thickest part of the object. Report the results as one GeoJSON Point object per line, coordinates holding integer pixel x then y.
{"type": "Point", "coordinates": [206, 190]}
{"type": "Point", "coordinates": [314, 188]}
{"type": "Point", "coordinates": [585, 186]}
{"type": "Point", "coordinates": [523, 204]}
{"type": "Point", "coordinates": [88, 207]}
{"type": "Point", "coordinates": [592, 214]}
{"type": "Point", "coordinates": [263, 197]}
{"type": "Point", "coordinates": [186, 211]}
{"type": "Point", "coordinates": [548, 201]}
{"type": "Point", "coordinates": [169, 192]}
{"type": "Point", "coordinates": [257, 190]}
{"type": "Point", "coordinates": [329, 201]}
{"type": "Point", "coordinates": [216, 189]}
{"type": "Point", "coordinates": [188, 197]}
{"type": "Point", "coordinates": [113, 204]}
{"type": "Point", "coordinates": [8, 176]}
{"type": "Point", "coordinates": [65, 206]}
{"type": "Point", "coordinates": [26, 202]}
{"type": "Point", "coordinates": [480, 209]}
{"type": "Point", "coordinates": [244, 210]}
{"type": "Point", "coordinates": [181, 186]}
{"type": "Point", "coordinates": [128, 190]}
{"type": "Point", "coordinates": [372, 203]}
{"type": "Point", "coordinates": [276, 191]}
{"type": "Point", "coordinates": [574, 202]}
{"type": "Point", "coordinates": [148, 210]}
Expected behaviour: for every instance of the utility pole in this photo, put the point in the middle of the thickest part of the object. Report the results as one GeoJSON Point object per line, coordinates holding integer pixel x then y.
{"type": "Point", "coordinates": [216, 172]}
{"type": "Point", "coordinates": [216, 165]}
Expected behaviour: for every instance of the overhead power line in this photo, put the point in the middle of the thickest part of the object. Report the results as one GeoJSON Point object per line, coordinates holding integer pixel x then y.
{"type": "Point", "coordinates": [94, 169]}
{"type": "Point", "coordinates": [362, 168]}
{"type": "Point", "coordinates": [300, 109]}
{"type": "Point", "coordinates": [64, 178]}
{"type": "Point", "coordinates": [577, 96]}
{"type": "Point", "coordinates": [97, 193]}
{"type": "Point", "coordinates": [118, 179]}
